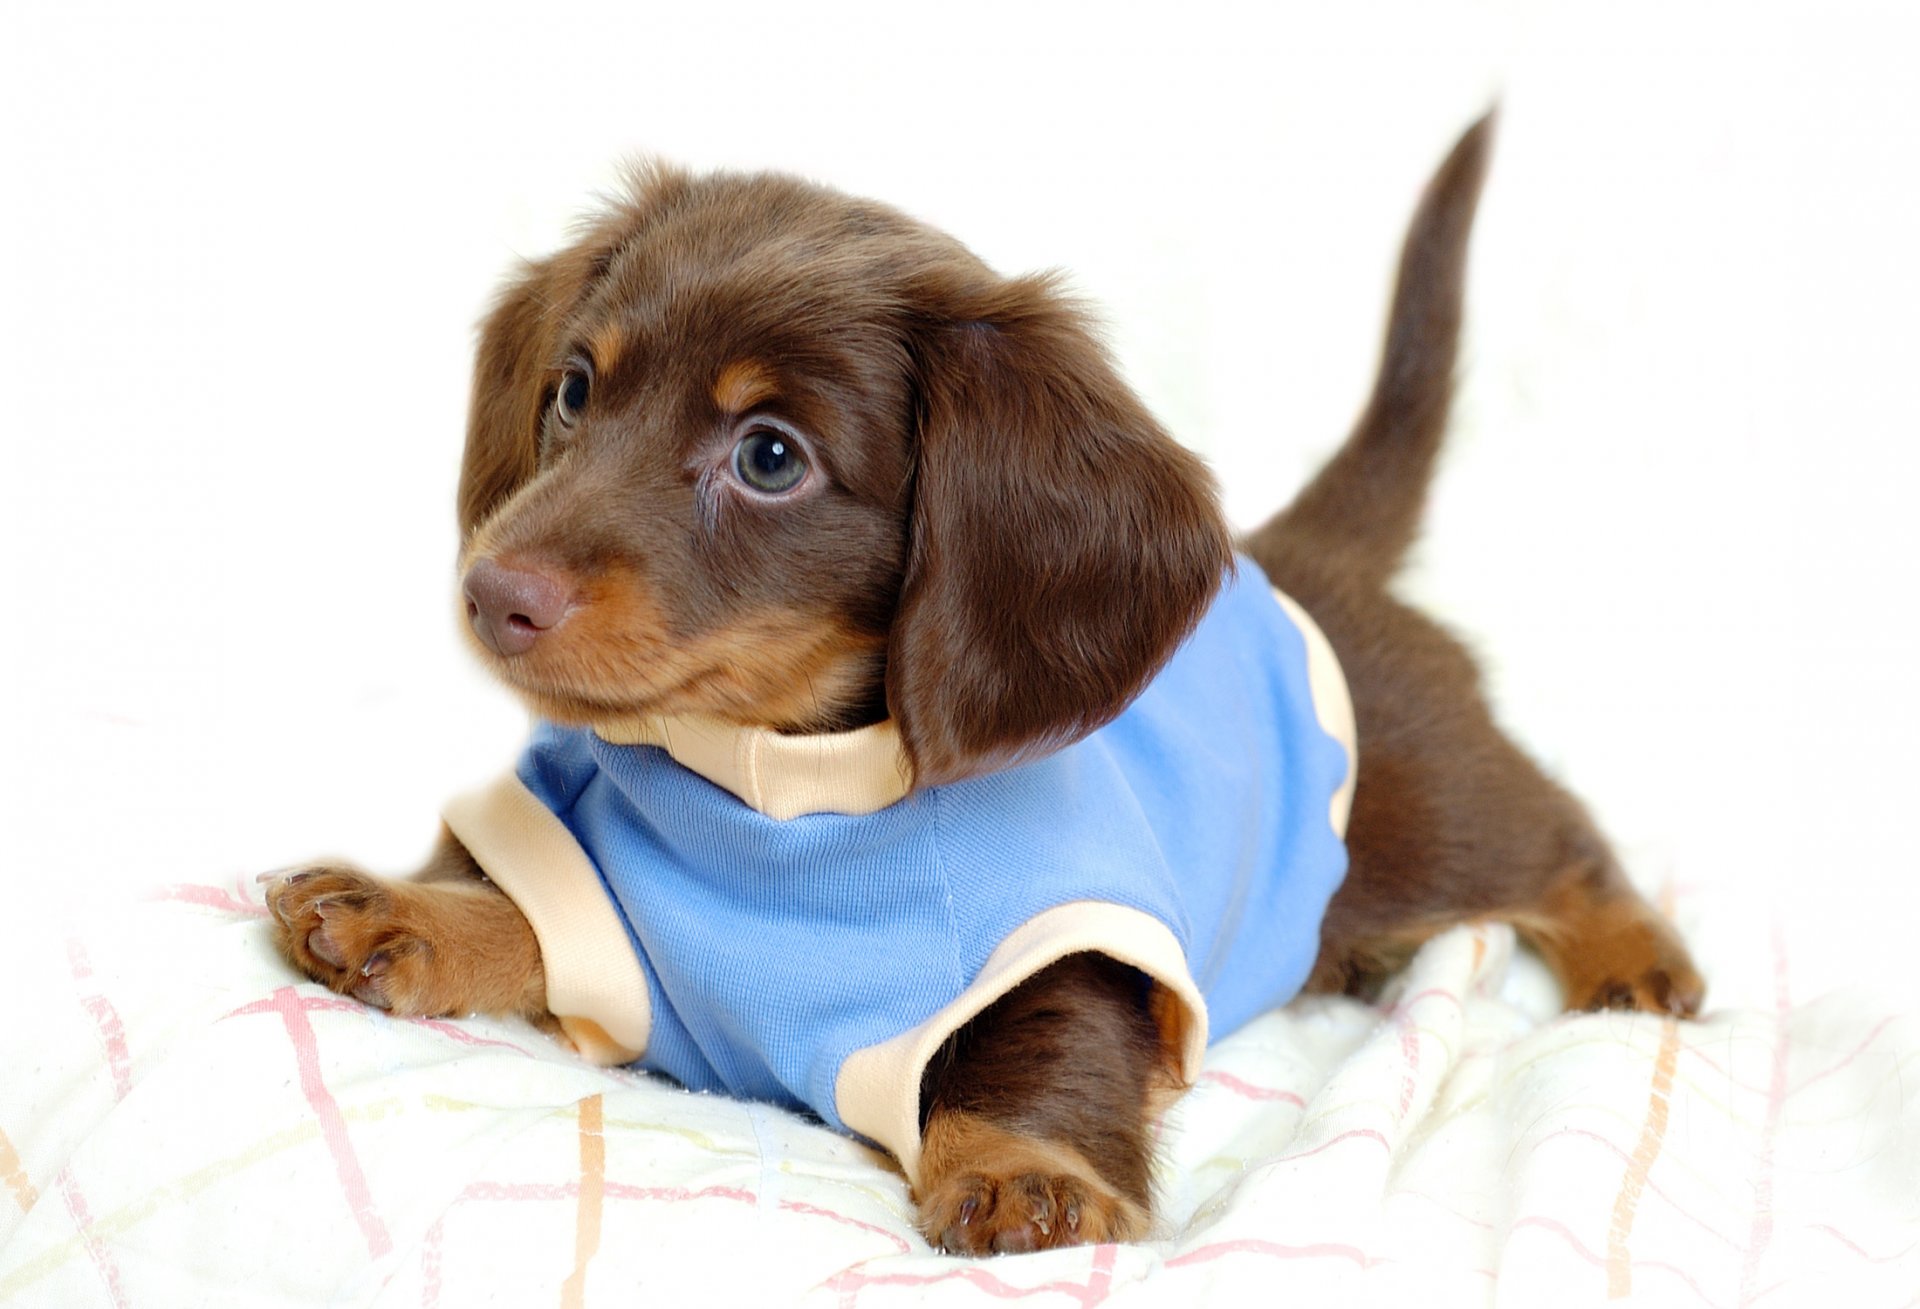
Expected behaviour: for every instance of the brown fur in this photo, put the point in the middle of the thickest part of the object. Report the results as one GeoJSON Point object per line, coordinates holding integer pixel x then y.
{"type": "Point", "coordinates": [996, 546]}
{"type": "Point", "coordinates": [1450, 820]}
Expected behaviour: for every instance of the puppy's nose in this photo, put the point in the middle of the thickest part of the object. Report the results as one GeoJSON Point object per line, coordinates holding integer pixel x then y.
{"type": "Point", "coordinates": [511, 608]}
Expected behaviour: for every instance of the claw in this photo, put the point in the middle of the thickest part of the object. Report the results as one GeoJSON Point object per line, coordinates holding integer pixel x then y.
{"type": "Point", "coordinates": [377, 963]}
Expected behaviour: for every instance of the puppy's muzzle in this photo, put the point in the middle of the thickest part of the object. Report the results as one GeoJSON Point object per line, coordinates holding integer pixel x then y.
{"type": "Point", "coordinates": [512, 608]}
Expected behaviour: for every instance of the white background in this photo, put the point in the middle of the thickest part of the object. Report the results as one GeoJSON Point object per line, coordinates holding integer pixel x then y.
{"type": "Point", "coordinates": [244, 251]}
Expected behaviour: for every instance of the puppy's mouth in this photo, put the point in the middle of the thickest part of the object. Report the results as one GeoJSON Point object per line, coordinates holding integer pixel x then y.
{"type": "Point", "coordinates": [570, 675]}
{"type": "Point", "coordinates": [601, 653]}
{"type": "Point", "coordinates": [821, 694]}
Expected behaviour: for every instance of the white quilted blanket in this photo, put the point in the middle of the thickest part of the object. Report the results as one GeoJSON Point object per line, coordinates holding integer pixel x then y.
{"type": "Point", "coordinates": [246, 247]}
{"type": "Point", "coordinates": [182, 1122]}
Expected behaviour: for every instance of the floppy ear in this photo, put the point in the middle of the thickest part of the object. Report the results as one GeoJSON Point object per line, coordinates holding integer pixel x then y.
{"type": "Point", "coordinates": [512, 376]}
{"type": "Point", "coordinates": [1062, 544]}
{"type": "Point", "coordinates": [520, 343]}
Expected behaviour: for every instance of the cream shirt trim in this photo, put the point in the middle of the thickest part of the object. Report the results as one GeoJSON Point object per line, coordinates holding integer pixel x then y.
{"type": "Point", "coordinates": [877, 1092]}
{"type": "Point", "coordinates": [781, 776]}
{"type": "Point", "coordinates": [595, 984]}
{"type": "Point", "coordinates": [1332, 705]}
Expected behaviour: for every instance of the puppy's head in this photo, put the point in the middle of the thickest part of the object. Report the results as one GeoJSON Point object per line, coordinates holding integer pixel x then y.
{"type": "Point", "coordinates": [754, 450]}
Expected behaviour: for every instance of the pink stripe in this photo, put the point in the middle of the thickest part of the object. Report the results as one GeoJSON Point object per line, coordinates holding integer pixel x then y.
{"type": "Point", "coordinates": [849, 1281]}
{"type": "Point", "coordinates": [1248, 1090]}
{"type": "Point", "coordinates": [1366, 1132]}
{"type": "Point", "coordinates": [1099, 1284]}
{"type": "Point", "coordinates": [628, 1191]}
{"type": "Point", "coordinates": [1853, 1054]}
{"type": "Point", "coordinates": [1720, 1071]}
{"type": "Point", "coordinates": [1273, 1249]}
{"type": "Point", "coordinates": [113, 1033]}
{"type": "Point", "coordinates": [624, 1190]}
{"type": "Point", "coordinates": [274, 1004]}
{"type": "Point", "coordinates": [1104, 1258]}
{"type": "Point", "coordinates": [1561, 1230]}
{"type": "Point", "coordinates": [333, 1126]}
{"type": "Point", "coordinates": [671, 1194]}
{"type": "Point", "coordinates": [1431, 993]}
{"type": "Point", "coordinates": [1842, 1238]}
{"type": "Point", "coordinates": [1410, 1040]}
{"type": "Point", "coordinates": [850, 1221]}
{"type": "Point", "coordinates": [1760, 1234]}
{"type": "Point", "coordinates": [96, 1250]}
{"type": "Point", "coordinates": [456, 1032]}
{"type": "Point", "coordinates": [430, 1246]}
{"type": "Point", "coordinates": [210, 897]}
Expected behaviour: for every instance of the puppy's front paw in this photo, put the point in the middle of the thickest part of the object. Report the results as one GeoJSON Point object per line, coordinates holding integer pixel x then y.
{"type": "Point", "coordinates": [350, 931]}
{"type": "Point", "coordinates": [986, 1190]}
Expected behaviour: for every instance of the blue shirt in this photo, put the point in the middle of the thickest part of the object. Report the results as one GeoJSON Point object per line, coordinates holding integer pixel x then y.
{"type": "Point", "coordinates": [773, 949]}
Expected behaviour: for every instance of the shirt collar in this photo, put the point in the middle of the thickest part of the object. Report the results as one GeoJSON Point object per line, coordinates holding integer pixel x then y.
{"type": "Point", "coordinates": [781, 776]}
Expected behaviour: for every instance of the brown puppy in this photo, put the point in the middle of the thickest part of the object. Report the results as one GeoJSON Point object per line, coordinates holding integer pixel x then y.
{"type": "Point", "coordinates": [758, 452]}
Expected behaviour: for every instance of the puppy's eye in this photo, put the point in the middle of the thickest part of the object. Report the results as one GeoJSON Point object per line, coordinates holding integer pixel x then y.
{"type": "Point", "coordinates": [570, 401]}
{"type": "Point", "coordinates": [769, 460]}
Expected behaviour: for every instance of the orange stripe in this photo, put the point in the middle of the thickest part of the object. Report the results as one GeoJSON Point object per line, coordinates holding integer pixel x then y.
{"type": "Point", "coordinates": [593, 1190]}
{"type": "Point", "coordinates": [16, 1174]}
{"type": "Point", "coordinates": [1653, 1131]}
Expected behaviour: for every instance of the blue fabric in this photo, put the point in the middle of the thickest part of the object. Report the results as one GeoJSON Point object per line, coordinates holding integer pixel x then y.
{"type": "Point", "coordinates": [773, 949]}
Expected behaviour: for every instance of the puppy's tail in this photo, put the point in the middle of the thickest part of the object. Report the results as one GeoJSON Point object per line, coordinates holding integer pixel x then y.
{"type": "Point", "coordinates": [1361, 512]}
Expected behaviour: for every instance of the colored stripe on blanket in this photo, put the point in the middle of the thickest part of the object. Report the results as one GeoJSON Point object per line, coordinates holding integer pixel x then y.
{"type": "Point", "coordinates": [1460, 1146]}
{"type": "Point", "coordinates": [113, 1033]}
{"type": "Point", "coordinates": [593, 1190]}
{"type": "Point", "coordinates": [333, 1125]}
{"type": "Point", "coordinates": [15, 1172]}
{"type": "Point", "coordinates": [1653, 1130]}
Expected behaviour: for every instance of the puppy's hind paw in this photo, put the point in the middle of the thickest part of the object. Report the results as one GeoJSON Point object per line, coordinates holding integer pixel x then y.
{"type": "Point", "coordinates": [983, 1214]}
{"type": "Point", "coordinates": [1673, 988]}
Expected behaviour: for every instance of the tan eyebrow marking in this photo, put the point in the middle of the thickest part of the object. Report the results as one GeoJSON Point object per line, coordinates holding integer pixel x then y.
{"type": "Point", "coordinates": [743, 384]}
{"type": "Point", "coordinates": [605, 347]}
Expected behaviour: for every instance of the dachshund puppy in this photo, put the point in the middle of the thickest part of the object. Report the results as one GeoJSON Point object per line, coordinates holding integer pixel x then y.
{"type": "Point", "coordinates": [915, 748]}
